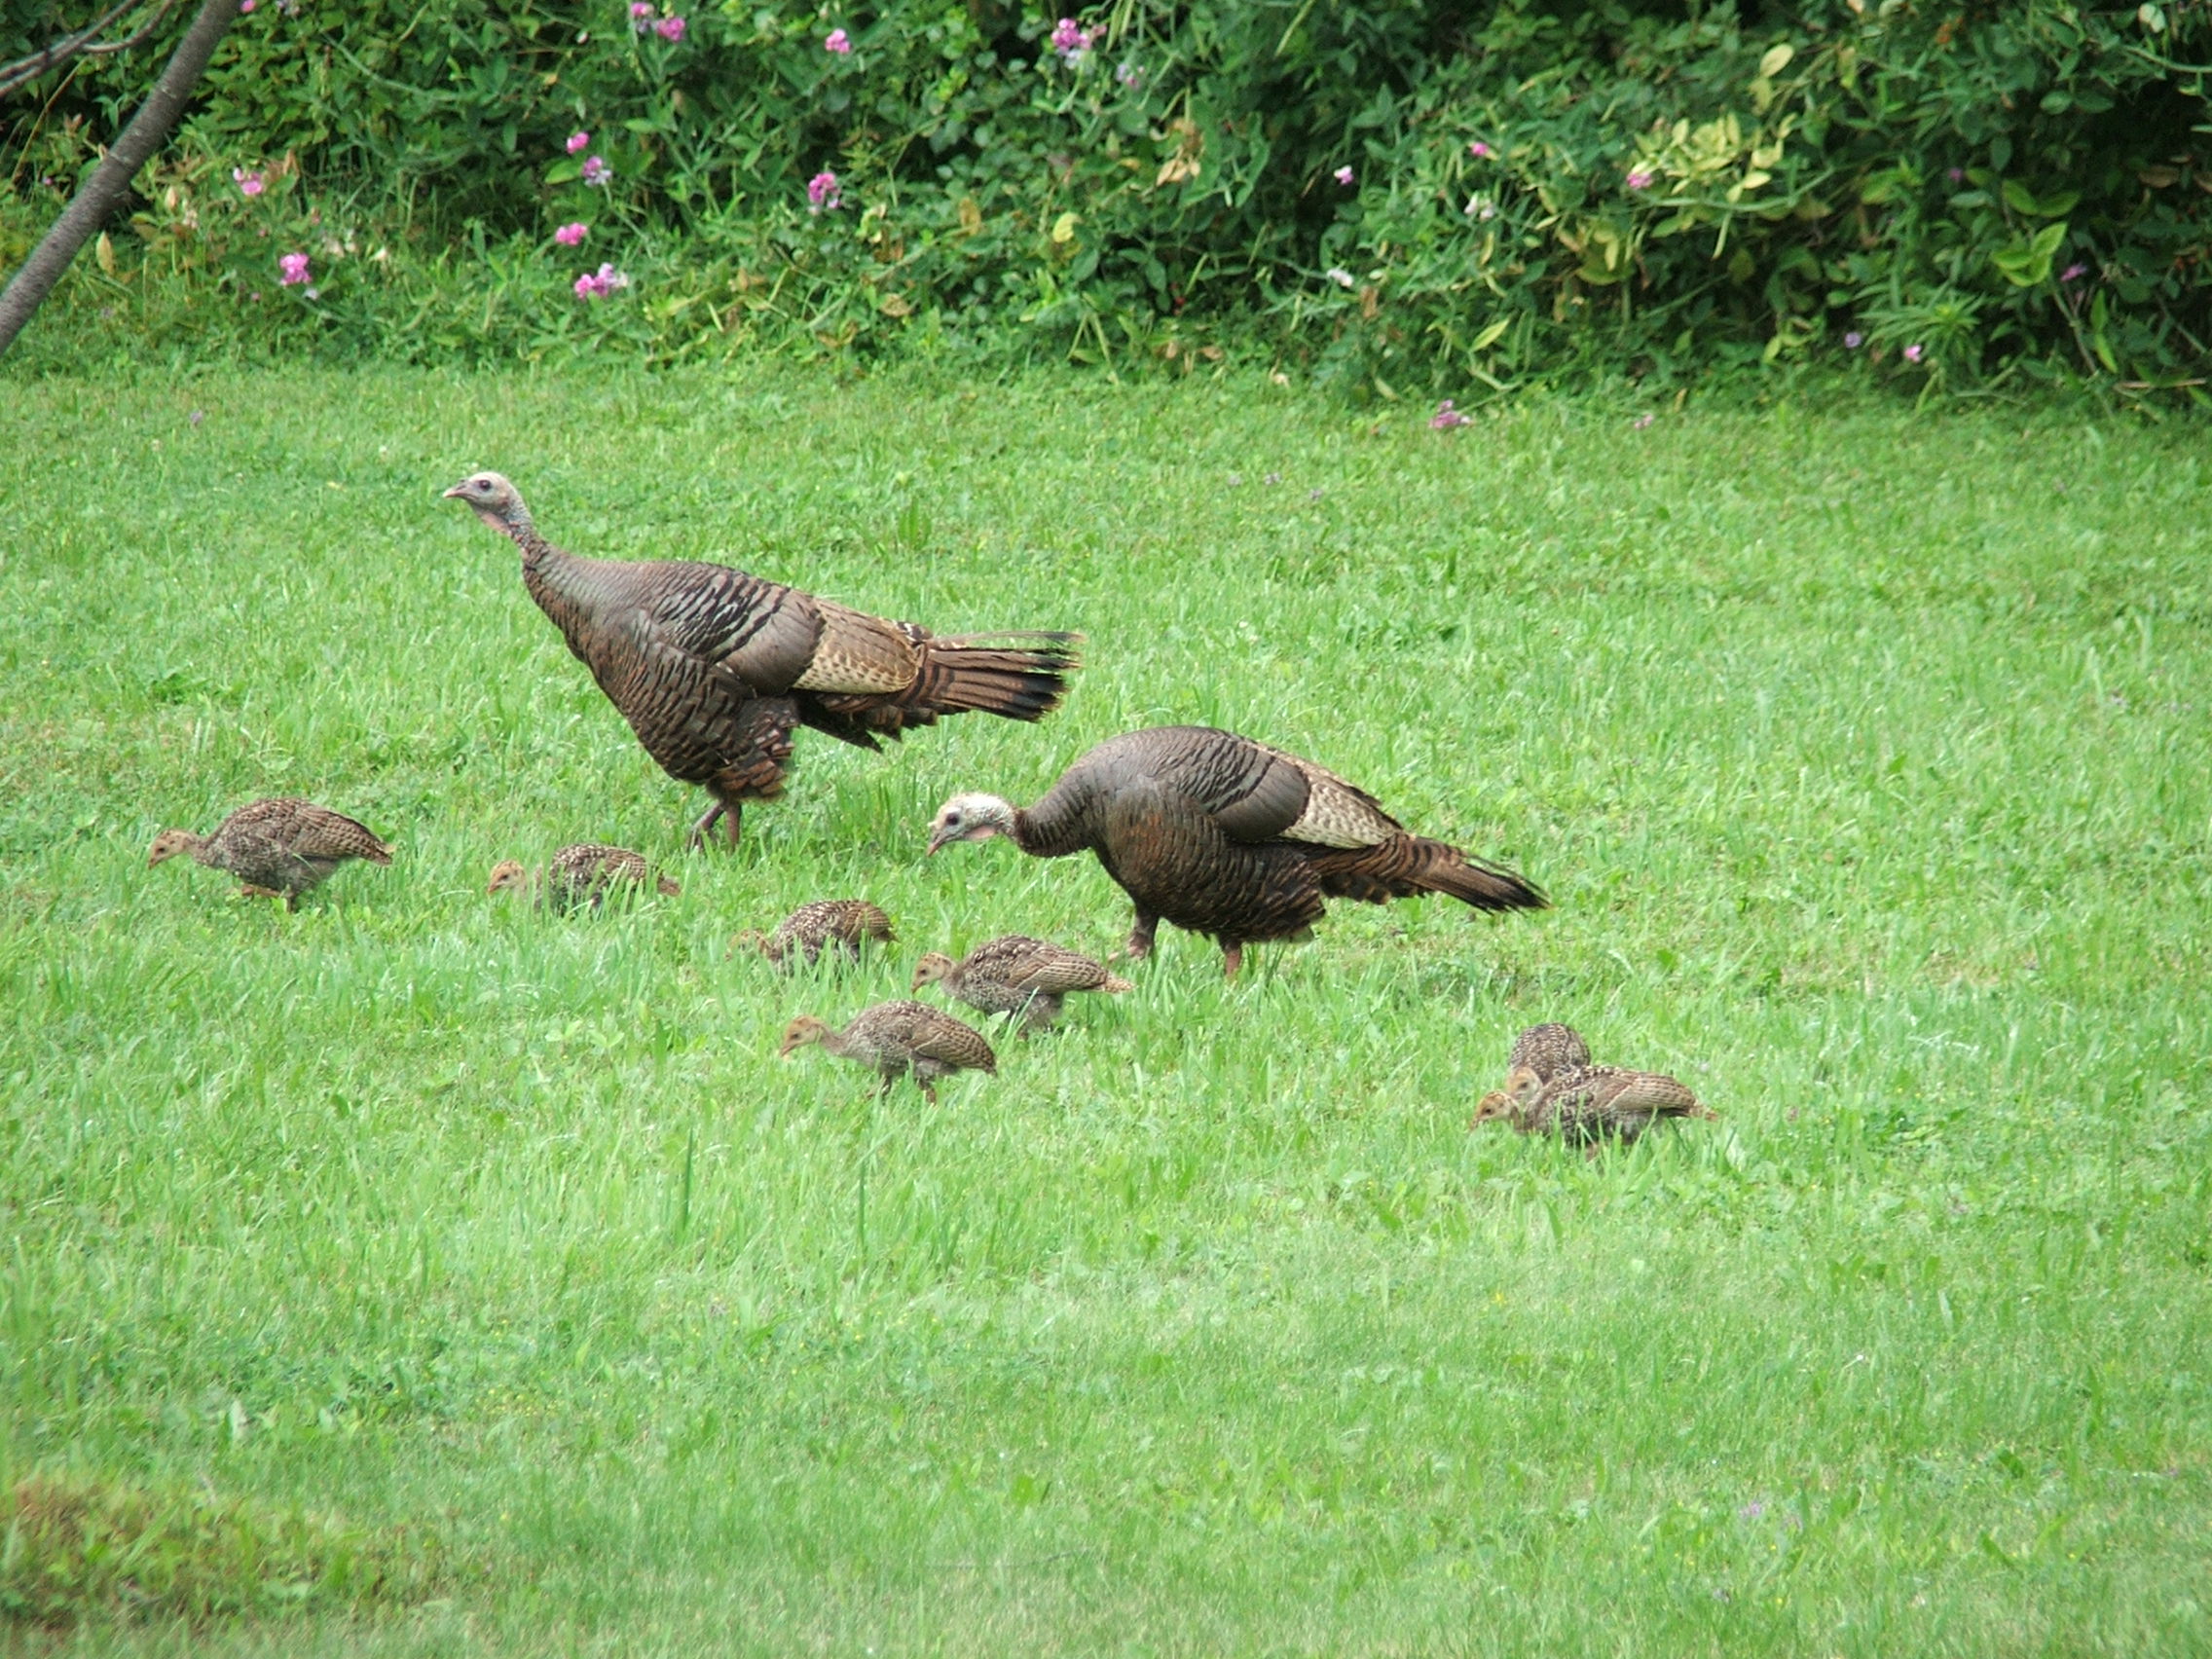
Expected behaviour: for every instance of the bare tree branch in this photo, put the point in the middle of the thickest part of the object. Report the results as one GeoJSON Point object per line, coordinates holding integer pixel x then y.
{"type": "Point", "coordinates": [80, 44]}
{"type": "Point", "coordinates": [100, 194]}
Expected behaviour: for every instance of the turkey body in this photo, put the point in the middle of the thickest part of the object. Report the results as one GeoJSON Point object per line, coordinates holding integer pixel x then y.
{"type": "Point", "coordinates": [713, 668]}
{"type": "Point", "coordinates": [1226, 836]}
{"type": "Point", "coordinates": [1547, 1050]}
{"type": "Point", "coordinates": [845, 924]}
{"type": "Point", "coordinates": [583, 875]}
{"type": "Point", "coordinates": [1016, 974]}
{"type": "Point", "coordinates": [898, 1038]}
{"type": "Point", "coordinates": [1589, 1105]}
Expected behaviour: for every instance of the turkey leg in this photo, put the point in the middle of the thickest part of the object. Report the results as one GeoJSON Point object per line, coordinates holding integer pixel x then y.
{"type": "Point", "coordinates": [1232, 958]}
{"type": "Point", "coordinates": [1140, 935]}
{"type": "Point", "coordinates": [728, 810]}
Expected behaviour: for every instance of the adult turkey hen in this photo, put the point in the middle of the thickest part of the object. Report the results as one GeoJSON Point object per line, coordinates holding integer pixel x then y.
{"type": "Point", "coordinates": [1226, 836]}
{"type": "Point", "coordinates": [715, 668]}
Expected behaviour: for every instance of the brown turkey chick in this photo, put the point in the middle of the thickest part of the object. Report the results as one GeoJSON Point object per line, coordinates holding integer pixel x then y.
{"type": "Point", "coordinates": [1226, 836]}
{"type": "Point", "coordinates": [1015, 974]}
{"type": "Point", "coordinates": [895, 1038]}
{"type": "Point", "coordinates": [277, 849]}
{"type": "Point", "coordinates": [845, 923]}
{"type": "Point", "coordinates": [581, 874]}
{"type": "Point", "coordinates": [713, 668]}
{"type": "Point", "coordinates": [1548, 1050]}
{"type": "Point", "coordinates": [1589, 1105]}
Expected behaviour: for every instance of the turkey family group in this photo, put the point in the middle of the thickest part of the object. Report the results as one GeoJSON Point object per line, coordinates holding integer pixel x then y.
{"type": "Point", "coordinates": [716, 670]}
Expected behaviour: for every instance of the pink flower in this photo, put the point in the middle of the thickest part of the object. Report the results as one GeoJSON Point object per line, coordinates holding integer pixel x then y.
{"type": "Point", "coordinates": [1854, 340]}
{"type": "Point", "coordinates": [1639, 178]}
{"type": "Point", "coordinates": [245, 5]}
{"type": "Point", "coordinates": [576, 141]}
{"type": "Point", "coordinates": [595, 170]}
{"type": "Point", "coordinates": [639, 12]}
{"type": "Point", "coordinates": [822, 194]}
{"type": "Point", "coordinates": [294, 266]}
{"type": "Point", "coordinates": [838, 41]}
{"type": "Point", "coordinates": [1641, 421]}
{"type": "Point", "coordinates": [2073, 272]}
{"type": "Point", "coordinates": [568, 235]}
{"type": "Point", "coordinates": [1957, 175]}
{"type": "Point", "coordinates": [1344, 175]}
{"type": "Point", "coordinates": [1070, 39]}
{"type": "Point", "coordinates": [1447, 416]}
{"type": "Point", "coordinates": [1912, 353]}
{"type": "Point", "coordinates": [670, 29]}
{"type": "Point", "coordinates": [249, 183]}
{"type": "Point", "coordinates": [597, 284]}
{"type": "Point", "coordinates": [1481, 151]}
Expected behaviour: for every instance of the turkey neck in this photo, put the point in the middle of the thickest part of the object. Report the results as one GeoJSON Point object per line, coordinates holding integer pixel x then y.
{"type": "Point", "coordinates": [567, 588]}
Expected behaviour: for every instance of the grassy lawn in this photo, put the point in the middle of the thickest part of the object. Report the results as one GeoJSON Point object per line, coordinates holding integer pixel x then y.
{"type": "Point", "coordinates": [1866, 756]}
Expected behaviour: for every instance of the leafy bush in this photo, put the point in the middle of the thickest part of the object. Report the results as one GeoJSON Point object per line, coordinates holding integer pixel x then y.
{"type": "Point", "coordinates": [1420, 191]}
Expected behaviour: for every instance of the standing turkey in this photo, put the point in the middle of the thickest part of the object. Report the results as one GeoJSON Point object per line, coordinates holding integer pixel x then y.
{"type": "Point", "coordinates": [896, 1038]}
{"type": "Point", "coordinates": [713, 668]}
{"type": "Point", "coordinates": [1226, 836]}
{"type": "Point", "coordinates": [1016, 974]}
{"type": "Point", "coordinates": [277, 849]}
{"type": "Point", "coordinates": [846, 924]}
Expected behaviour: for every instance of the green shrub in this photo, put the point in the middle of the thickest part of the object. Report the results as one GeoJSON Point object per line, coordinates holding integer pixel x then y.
{"type": "Point", "coordinates": [1533, 190]}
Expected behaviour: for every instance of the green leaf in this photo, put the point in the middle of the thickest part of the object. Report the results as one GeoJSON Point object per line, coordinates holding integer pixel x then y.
{"type": "Point", "coordinates": [563, 172]}
{"type": "Point", "coordinates": [2019, 197]}
{"type": "Point", "coordinates": [1490, 336]}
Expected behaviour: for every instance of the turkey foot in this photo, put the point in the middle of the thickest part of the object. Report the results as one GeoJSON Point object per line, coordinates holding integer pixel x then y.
{"type": "Point", "coordinates": [1232, 958]}
{"type": "Point", "coordinates": [720, 809]}
{"type": "Point", "coordinates": [1140, 938]}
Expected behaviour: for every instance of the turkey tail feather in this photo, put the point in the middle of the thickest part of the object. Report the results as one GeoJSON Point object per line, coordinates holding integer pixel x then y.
{"type": "Point", "coordinates": [989, 673]}
{"type": "Point", "coordinates": [1408, 865]}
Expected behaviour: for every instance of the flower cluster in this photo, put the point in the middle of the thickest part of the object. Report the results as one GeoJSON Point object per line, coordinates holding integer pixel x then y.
{"type": "Point", "coordinates": [1447, 416]}
{"type": "Point", "coordinates": [838, 42]}
{"type": "Point", "coordinates": [292, 268]}
{"type": "Point", "coordinates": [249, 183]}
{"type": "Point", "coordinates": [1481, 151]}
{"type": "Point", "coordinates": [822, 194]}
{"type": "Point", "coordinates": [669, 28]}
{"type": "Point", "coordinates": [1344, 176]}
{"type": "Point", "coordinates": [597, 284]}
{"type": "Point", "coordinates": [576, 141]}
{"type": "Point", "coordinates": [1639, 178]}
{"type": "Point", "coordinates": [596, 171]}
{"type": "Point", "coordinates": [1071, 39]}
{"type": "Point", "coordinates": [569, 235]}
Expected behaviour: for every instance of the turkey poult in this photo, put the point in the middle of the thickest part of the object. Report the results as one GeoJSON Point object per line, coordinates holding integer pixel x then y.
{"type": "Point", "coordinates": [1589, 1105]}
{"type": "Point", "coordinates": [1548, 1050]}
{"type": "Point", "coordinates": [581, 874]}
{"type": "Point", "coordinates": [713, 668]}
{"type": "Point", "coordinates": [1226, 836]}
{"type": "Point", "coordinates": [895, 1038]}
{"type": "Point", "coordinates": [1015, 974]}
{"type": "Point", "coordinates": [277, 849]}
{"type": "Point", "coordinates": [845, 923]}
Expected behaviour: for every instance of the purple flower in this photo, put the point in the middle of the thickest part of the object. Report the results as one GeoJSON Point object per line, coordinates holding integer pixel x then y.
{"type": "Point", "coordinates": [1957, 175]}
{"type": "Point", "coordinates": [576, 141]}
{"type": "Point", "coordinates": [1344, 176]}
{"type": "Point", "coordinates": [1070, 39]}
{"type": "Point", "coordinates": [568, 235]}
{"type": "Point", "coordinates": [839, 42]}
{"type": "Point", "coordinates": [1752, 1511]}
{"type": "Point", "coordinates": [1639, 178]}
{"type": "Point", "coordinates": [670, 29]}
{"type": "Point", "coordinates": [1447, 416]}
{"type": "Point", "coordinates": [1481, 151]}
{"type": "Point", "coordinates": [822, 194]}
{"type": "Point", "coordinates": [597, 284]}
{"type": "Point", "coordinates": [2073, 272]}
{"type": "Point", "coordinates": [1912, 353]}
{"type": "Point", "coordinates": [1130, 76]}
{"type": "Point", "coordinates": [1854, 340]}
{"type": "Point", "coordinates": [595, 170]}
{"type": "Point", "coordinates": [1641, 421]}
{"type": "Point", "coordinates": [249, 183]}
{"type": "Point", "coordinates": [294, 269]}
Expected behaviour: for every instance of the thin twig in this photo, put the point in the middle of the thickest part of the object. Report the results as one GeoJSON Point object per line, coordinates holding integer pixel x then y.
{"type": "Point", "coordinates": [80, 44]}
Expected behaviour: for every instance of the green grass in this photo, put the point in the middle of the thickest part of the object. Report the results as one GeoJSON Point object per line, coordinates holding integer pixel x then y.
{"type": "Point", "coordinates": [1865, 754]}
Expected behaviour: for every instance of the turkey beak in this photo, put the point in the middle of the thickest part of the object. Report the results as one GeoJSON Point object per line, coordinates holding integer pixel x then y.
{"type": "Point", "coordinates": [457, 490]}
{"type": "Point", "coordinates": [938, 838]}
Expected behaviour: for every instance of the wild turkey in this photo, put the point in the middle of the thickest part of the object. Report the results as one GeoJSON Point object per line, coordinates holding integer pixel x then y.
{"type": "Point", "coordinates": [581, 874]}
{"type": "Point", "coordinates": [895, 1038]}
{"type": "Point", "coordinates": [1226, 836]}
{"type": "Point", "coordinates": [846, 923]}
{"type": "Point", "coordinates": [713, 668]}
{"type": "Point", "coordinates": [1548, 1050]}
{"type": "Point", "coordinates": [1016, 974]}
{"type": "Point", "coordinates": [1589, 1105]}
{"type": "Point", "coordinates": [277, 849]}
